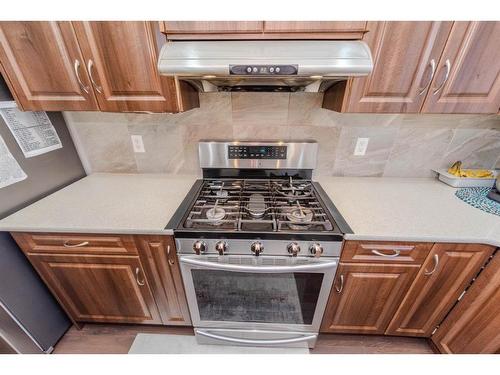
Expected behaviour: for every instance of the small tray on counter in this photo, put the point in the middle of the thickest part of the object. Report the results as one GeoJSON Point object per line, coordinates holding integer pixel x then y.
{"type": "Point", "coordinates": [463, 182]}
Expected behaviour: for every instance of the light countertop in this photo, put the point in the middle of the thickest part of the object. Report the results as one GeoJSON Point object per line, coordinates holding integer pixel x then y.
{"type": "Point", "coordinates": [106, 203]}
{"type": "Point", "coordinates": [409, 209]}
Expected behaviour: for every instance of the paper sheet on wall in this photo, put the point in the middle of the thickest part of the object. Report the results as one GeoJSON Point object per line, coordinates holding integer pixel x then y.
{"type": "Point", "coordinates": [33, 131]}
{"type": "Point", "coordinates": [10, 170]}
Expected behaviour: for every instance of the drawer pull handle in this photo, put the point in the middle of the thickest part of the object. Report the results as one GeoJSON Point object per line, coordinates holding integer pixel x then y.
{"type": "Point", "coordinates": [170, 261]}
{"type": "Point", "coordinates": [436, 264]}
{"type": "Point", "coordinates": [140, 283]}
{"type": "Point", "coordinates": [339, 290]}
{"type": "Point", "coordinates": [81, 244]}
{"type": "Point", "coordinates": [393, 255]}
{"type": "Point", "coordinates": [432, 64]}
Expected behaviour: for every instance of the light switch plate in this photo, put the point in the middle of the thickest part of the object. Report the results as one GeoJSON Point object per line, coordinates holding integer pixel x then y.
{"type": "Point", "coordinates": [361, 146]}
{"type": "Point", "coordinates": [137, 143]}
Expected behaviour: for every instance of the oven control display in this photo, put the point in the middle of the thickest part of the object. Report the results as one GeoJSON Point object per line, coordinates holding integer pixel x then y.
{"type": "Point", "coordinates": [257, 152]}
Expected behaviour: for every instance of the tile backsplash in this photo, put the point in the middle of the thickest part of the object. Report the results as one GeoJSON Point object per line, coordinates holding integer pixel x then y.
{"type": "Point", "coordinates": [399, 145]}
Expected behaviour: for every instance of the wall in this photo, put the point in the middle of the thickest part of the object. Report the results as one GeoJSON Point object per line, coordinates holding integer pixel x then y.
{"type": "Point", "coordinates": [400, 145]}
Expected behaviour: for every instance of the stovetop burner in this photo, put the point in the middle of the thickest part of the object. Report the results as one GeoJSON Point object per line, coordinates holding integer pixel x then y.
{"type": "Point", "coordinates": [258, 205]}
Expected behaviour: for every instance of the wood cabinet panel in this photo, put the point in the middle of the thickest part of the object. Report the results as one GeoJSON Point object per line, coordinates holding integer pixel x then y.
{"type": "Point", "coordinates": [473, 326]}
{"type": "Point", "coordinates": [473, 84]}
{"type": "Point", "coordinates": [159, 256]}
{"type": "Point", "coordinates": [446, 273]}
{"type": "Point", "coordinates": [121, 58]}
{"type": "Point", "coordinates": [402, 55]}
{"type": "Point", "coordinates": [387, 252]}
{"type": "Point", "coordinates": [63, 243]}
{"type": "Point", "coordinates": [193, 27]}
{"type": "Point", "coordinates": [43, 65]}
{"type": "Point", "coordinates": [99, 288]}
{"type": "Point", "coordinates": [365, 296]}
{"type": "Point", "coordinates": [341, 27]}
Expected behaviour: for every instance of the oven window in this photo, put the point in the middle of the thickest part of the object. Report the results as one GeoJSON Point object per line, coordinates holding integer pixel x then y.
{"type": "Point", "coordinates": [257, 297]}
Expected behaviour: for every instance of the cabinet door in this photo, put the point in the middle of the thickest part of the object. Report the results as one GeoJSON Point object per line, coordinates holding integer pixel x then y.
{"type": "Point", "coordinates": [348, 29]}
{"type": "Point", "coordinates": [92, 288]}
{"type": "Point", "coordinates": [210, 27]}
{"type": "Point", "coordinates": [364, 297]}
{"type": "Point", "coordinates": [473, 325]}
{"type": "Point", "coordinates": [404, 54]}
{"type": "Point", "coordinates": [446, 273]}
{"type": "Point", "coordinates": [468, 76]}
{"type": "Point", "coordinates": [44, 67]}
{"type": "Point", "coordinates": [121, 58]}
{"type": "Point", "coordinates": [160, 259]}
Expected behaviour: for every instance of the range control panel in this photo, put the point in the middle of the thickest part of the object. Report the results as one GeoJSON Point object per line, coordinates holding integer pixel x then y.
{"type": "Point", "coordinates": [256, 152]}
{"type": "Point", "coordinates": [263, 70]}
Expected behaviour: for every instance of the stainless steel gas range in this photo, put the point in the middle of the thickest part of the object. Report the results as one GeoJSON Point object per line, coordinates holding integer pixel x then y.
{"type": "Point", "coordinates": [258, 243]}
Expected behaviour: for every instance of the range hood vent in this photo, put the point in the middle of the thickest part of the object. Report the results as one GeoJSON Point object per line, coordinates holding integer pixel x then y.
{"type": "Point", "coordinates": [311, 66]}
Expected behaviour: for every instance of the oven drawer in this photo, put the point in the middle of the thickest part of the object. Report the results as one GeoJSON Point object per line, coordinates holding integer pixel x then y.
{"type": "Point", "coordinates": [386, 252]}
{"type": "Point", "coordinates": [62, 243]}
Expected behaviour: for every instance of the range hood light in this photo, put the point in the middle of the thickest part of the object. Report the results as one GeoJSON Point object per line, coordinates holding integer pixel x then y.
{"type": "Point", "coordinates": [209, 76]}
{"type": "Point", "coordinates": [316, 77]}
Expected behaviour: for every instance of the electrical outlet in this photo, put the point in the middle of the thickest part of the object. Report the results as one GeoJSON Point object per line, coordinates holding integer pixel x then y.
{"type": "Point", "coordinates": [137, 143]}
{"type": "Point", "coordinates": [361, 146]}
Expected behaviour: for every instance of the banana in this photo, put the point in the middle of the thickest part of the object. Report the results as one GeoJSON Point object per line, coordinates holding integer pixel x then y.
{"type": "Point", "coordinates": [456, 170]}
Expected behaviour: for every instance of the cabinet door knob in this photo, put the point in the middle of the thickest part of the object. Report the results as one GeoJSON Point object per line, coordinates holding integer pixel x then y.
{"type": "Point", "coordinates": [140, 283]}
{"type": "Point", "coordinates": [393, 255]}
{"type": "Point", "coordinates": [76, 66]}
{"type": "Point", "coordinates": [447, 65]}
{"type": "Point", "coordinates": [339, 289]}
{"type": "Point", "coordinates": [433, 71]}
{"type": "Point", "coordinates": [170, 260]}
{"type": "Point", "coordinates": [81, 244]}
{"type": "Point", "coordinates": [436, 263]}
{"type": "Point", "coordinates": [90, 66]}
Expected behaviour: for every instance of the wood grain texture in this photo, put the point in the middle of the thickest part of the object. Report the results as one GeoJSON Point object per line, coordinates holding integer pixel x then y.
{"type": "Point", "coordinates": [125, 56]}
{"type": "Point", "coordinates": [117, 339]}
{"type": "Point", "coordinates": [368, 251]}
{"type": "Point", "coordinates": [159, 256]}
{"type": "Point", "coordinates": [217, 27]}
{"type": "Point", "coordinates": [431, 297]}
{"type": "Point", "coordinates": [402, 52]}
{"type": "Point", "coordinates": [358, 27]}
{"type": "Point", "coordinates": [473, 326]}
{"type": "Point", "coordinates": [370, 295]}
{"type": "Point", "coordinates": [97, 244]}
{"type": "Point", "coordinates": [473, 86]}
{"type": "Point", "coordinates": [38, 62]}
{"type": "Point", "coordinates": [98, 288]}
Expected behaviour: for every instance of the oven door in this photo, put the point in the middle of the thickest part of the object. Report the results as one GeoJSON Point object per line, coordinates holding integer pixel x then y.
{"type": "Point", "coordinates": [259, 293]}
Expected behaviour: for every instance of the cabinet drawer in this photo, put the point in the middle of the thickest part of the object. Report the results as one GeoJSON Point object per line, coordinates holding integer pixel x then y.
{"type": "Point", "coordinates": [387, 252]}
{"type": "Point", "coordinates": [75, 243]}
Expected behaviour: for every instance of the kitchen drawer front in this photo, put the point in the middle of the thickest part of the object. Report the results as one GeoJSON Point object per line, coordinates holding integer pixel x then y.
{"type": "Point", "coordinates": [385, 252]}
{"type": "Point", "coordinates": [62, 243]}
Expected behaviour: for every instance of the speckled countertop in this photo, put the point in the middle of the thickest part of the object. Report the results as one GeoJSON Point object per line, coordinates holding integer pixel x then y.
{"type": "Point", "coordinates": [409, 209]}
{"type": "Point", "coordinates": [390, 209]}
{"type": "Point", "coordinates": [106, 203]}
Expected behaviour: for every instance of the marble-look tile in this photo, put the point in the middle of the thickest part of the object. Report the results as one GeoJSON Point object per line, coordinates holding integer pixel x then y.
{"type": "Point", "coordinates": [377, 153]}
{"type": "Point", "coordinates": [261, 132]}
{"type": "Point", "coordinates": [215, 109]}
{"type": "Point", "coordinates": [267, 108]}
{"type": "Point", "coordinates": [416, 151]}
{"type": "Point", "coordinates": [476, 148]}
{"type": "Point", "coordinates": [305, 110]}
{"type": "Point", "coordinates": [364, 119]}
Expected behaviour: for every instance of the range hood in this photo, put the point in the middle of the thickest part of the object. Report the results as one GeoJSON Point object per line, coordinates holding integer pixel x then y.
{"type": "Point", "coordinates": [311, 66]}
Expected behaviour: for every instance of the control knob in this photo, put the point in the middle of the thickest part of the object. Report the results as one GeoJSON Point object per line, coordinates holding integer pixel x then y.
{"type": "Point", "coordinates": [293, 249]}
{"type": "Point", "coordinates": [199, 247]}
{"type": "Point", "coordinates": [221, 247]}
{"type": "Point", "coordinates": [257, 248]}
{"type": "Point", "coordinates": [249, 69]}
{"type": "Point", "coordinates": [316, 249]}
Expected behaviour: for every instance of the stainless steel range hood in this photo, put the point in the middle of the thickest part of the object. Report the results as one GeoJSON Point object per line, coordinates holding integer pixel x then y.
{"type": "Point", "coordinates": [264, 65]}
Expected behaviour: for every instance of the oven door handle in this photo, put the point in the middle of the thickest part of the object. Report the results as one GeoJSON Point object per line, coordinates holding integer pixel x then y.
{"type": "Point", "coordinates": [259, 269]}
{"type": "Point", "coordinates": [257, 342]}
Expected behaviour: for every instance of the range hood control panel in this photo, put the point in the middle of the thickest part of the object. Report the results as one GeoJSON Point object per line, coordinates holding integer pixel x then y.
{"type": "Point", "coordinates": [263, 70]}
{"type": "Point", "coordinates": [257, 152]}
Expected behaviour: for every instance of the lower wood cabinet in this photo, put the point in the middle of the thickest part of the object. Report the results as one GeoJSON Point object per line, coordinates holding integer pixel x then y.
{"type": "Point", "coordinates": [473, 326]}
{"type": "Point", "coordinates": [448, 270]}
{"type": "Point", "coordinates": [365, 296]}
{"type": "Point", "coordinates": [99, 288]}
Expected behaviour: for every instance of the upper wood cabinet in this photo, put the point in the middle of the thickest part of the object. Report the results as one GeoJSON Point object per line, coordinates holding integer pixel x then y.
{"type": "Point", "coordinates": [44, 67]}
{"type": "Point", "coordinates": [365, 296]}
{"type": "Point", "coordinates": [473, 326]}
{"type": "Point", "coordinates": [467, 79]}
{"type": "Point", "coordinates": [107, 66]}
{"type": "Point", "coordinates": [448, 270]}
{"type": "Point", "coordinates": [160, 260]}
{"type": "Point", "coordinates": [426, 67]}
{"type": "Point", "coordinates": [404, 56]}
{"type": "Point", "coordinates": [198, 30]}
